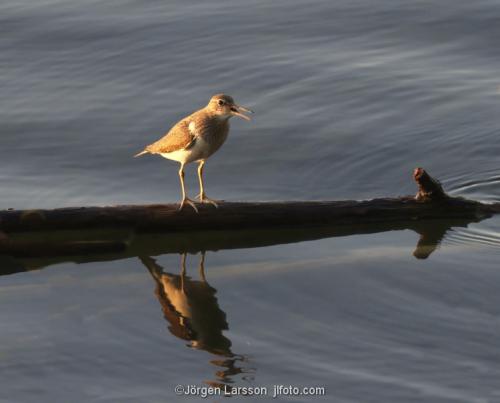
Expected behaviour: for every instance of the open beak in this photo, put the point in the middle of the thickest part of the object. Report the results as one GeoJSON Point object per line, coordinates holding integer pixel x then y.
{"type": "Point", "coordinates": [237, 110]}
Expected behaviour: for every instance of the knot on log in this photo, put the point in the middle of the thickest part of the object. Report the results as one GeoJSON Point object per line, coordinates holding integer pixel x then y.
{"type": "Point", "coordinates": [429, 189]}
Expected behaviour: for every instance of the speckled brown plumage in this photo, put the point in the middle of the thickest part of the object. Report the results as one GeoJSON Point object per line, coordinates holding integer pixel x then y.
{"type": "Point", "coordinates": [207, 126]}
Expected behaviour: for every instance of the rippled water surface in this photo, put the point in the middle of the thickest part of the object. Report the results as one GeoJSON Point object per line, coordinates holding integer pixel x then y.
{"type": "Point", "coordinates": [349, 97]}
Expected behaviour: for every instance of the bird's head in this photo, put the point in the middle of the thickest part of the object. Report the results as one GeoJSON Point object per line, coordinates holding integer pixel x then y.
{"type": "Point", "coordinates": [224, 106]}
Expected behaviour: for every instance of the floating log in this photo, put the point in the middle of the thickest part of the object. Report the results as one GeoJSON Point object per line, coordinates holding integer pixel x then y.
{"type": "Point", "coordinates": [430, 203]}
{"type": "Point", "coordinates": [36, 233]}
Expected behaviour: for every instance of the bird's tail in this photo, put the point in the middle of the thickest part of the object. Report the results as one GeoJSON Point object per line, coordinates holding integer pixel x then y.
{"type": "Point", "coordinates": [141, 153]}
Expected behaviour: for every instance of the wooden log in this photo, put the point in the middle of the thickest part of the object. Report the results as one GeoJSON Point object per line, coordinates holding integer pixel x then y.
{"type": "Point", "coordinates": [430, 203]}
{"type": "Point", "coordinates": [429, 189]}
{"type": "Point", "coordinates": [43, 237]}
{"type": "Point", "coordinates": [108, 231]}
{"type": "Point", "coordinates": [233, 215]}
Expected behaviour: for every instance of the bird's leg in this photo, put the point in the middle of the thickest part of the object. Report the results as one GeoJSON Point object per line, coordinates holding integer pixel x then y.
{"type": "Point", "coordinates": [183, 270]}
{"type": "Point", "coordinates": [185, 199]}
{"type": "Point", "coordinates": [202, 267]}
{"type": "Point", "coordinates": [203, 197]}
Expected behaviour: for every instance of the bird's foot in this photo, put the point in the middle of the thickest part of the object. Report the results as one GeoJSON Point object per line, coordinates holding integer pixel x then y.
{"type": "Point", "coordinates": [204, 199]}
{"type": "Point", "coordinates": [188, 201]}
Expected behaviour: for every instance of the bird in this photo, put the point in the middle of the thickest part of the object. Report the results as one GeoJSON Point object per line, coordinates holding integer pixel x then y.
{"type": "Point", "coordinates": [196, 137]}
{"type": "Point", "coordinates": [191, 307]}
{"type": "Point", "coordinates": [192, 311]}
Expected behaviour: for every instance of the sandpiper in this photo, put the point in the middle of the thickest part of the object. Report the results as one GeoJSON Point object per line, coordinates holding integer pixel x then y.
{"type": "Point", "coordinates": [197, 137]}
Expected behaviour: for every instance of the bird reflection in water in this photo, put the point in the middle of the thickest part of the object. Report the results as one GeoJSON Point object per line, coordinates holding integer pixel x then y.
{"type": "Point", "coordinates": [193, 313]}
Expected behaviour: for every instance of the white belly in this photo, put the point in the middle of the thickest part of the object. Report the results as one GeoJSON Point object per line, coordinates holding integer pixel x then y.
{"type": "Point", "coordinates": [177, 297]}
{"type": "Point", "coordinates": [199, 151]}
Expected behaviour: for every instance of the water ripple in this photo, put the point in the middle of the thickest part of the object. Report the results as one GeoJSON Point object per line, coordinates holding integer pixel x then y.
{"type": "Point", "coordinates": [483, 186]}
{"type": "Point", "coordinates": [486, 234]}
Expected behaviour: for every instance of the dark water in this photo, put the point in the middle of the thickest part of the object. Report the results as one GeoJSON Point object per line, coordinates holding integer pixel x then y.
{"type": "Point", "coordinates": [349, 96]}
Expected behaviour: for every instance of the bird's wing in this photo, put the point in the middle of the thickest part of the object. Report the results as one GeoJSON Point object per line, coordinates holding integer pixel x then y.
{"type": "Point", "coordinates": [180, 137]}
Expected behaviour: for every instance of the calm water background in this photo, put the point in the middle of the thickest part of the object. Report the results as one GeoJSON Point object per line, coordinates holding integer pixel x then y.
{"type": "Point", "coordinates": [349, 97]}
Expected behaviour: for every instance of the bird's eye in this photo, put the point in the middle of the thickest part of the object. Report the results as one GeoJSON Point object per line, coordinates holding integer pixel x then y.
{"type": "Point", "coordinates": [221, 102]}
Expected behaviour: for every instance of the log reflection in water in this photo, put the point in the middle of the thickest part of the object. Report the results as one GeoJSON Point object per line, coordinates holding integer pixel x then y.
{"type": "Point", "coordinates": [23, 258]}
